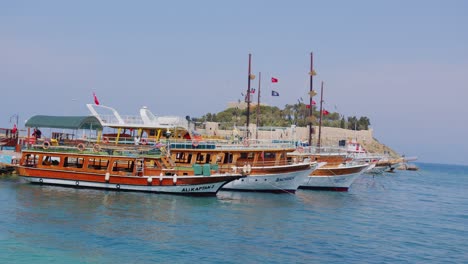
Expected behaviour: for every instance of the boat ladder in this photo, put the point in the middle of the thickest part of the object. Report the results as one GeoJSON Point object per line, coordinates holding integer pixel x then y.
{"type": "Point", "coordinates": [140, 167]}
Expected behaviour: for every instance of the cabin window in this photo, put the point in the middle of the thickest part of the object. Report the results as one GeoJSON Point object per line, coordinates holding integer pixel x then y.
{"type": "Point", "coordinates": [269, 155]}
{"type": "Point", "coordinates": [200, 157]}
{"type": "Point", "coordinates": [151, 164]}
{"type": "Point", "coordinates": [51, 161]}
{"type": "Point", "coordinates": [31, 160]}
{"type": "Point", "coordinates": [73, 162]}
{"type": "Point", "coordinates": [152, 132]}
{"type": "Point", "coordinates": [246, 155]}
{"type": "Point", "coordinates": [180, 156]}
{"type": "Point", "coordinates": [208, 158]}
{"type": "Point", "coordinates": [227, 158]}
{"type": "Point", "coordinates": [98, 164]}
{"type": "Point", "coordinates": [123, 165]}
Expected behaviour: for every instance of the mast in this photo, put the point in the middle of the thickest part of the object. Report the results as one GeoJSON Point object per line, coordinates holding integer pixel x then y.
{"type": "Point", "coordinates": [248, 97]}
{"type": "Point", "coordinates": [319, 142]}
{"type": "Point", "coordinates": [311, 93]}
{"type": "Point", "coordinates": [258, 104]}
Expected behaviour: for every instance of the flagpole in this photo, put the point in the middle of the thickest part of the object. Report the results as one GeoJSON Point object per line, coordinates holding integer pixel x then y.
{"type": "Point", "coordinates": [311, 95]}
{"type": "Point", "coordinates": [258, 104]}
{"type": "Point", "coordinates": [248, 96]}
{"type": "Point", "coordinates": [320, 120]}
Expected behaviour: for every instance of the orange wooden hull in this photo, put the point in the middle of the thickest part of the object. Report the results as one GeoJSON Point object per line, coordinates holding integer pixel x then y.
{"type": "Point", "coordinates": [149, 174]}
{"type": "Point", "coordinates": [335, 170]}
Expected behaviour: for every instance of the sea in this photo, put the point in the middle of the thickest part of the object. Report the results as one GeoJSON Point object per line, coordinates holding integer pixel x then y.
{"type": "Point", "coordinates": [402, 217]}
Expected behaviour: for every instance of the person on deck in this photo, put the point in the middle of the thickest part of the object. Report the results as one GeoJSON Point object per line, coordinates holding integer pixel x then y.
{"type": "Point", "coordinates": [37, 133]}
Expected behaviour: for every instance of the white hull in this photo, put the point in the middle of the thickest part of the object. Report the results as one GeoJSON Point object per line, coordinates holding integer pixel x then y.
{"type": "Point", "coordinates": [331, 182]}
{"type": "Point", "coordinates": [283, 182]}
{"type": "Point", "coordinates": [198, 189]}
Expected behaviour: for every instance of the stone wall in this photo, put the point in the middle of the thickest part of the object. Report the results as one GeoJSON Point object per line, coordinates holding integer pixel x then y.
{"type": "Point", "coordinates": [330, 136]}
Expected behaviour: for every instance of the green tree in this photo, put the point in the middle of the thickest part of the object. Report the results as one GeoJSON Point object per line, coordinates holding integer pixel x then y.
{"type": "Point", "coordinates": [297, 114]}
{"type": "Point", "coordinates": [364, 123]}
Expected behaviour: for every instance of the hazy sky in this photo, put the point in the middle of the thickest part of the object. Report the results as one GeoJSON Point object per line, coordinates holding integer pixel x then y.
{"type": "Point", "coordinates": [404, 64]}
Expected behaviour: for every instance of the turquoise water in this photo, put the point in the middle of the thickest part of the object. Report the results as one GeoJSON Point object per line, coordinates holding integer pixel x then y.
{"type": "Point", "coordinates": [404, 217]}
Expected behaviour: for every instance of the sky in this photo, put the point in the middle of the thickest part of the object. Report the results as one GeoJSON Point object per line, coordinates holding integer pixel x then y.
{"type": "Point", "coordinates": [403, 64]}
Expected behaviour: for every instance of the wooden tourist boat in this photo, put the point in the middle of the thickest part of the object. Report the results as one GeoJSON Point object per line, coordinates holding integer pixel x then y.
{"type": "Point", "coordinates": [267, 166]}
{"type": "Point", "coordinates": [338, 174]}
{"type": "Point", "coordinates": [334, 177]}
{"type": "Point", "coordinates": [8, 138]}
{"type": "Point", "coordinates": [123, 169]}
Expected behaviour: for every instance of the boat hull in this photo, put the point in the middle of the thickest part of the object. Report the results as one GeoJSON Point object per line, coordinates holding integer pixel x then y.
{"type": "Point", "coordinates": [286, 182]}
{"type": "Point", "coordinates": [184, 185]}
{"type": "Point", "coordinates": [333, 179]}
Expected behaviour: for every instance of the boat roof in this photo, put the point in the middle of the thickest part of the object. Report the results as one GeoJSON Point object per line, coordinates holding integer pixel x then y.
{"type": "Point", "coordinates": [109, 117]}
{"type": "Point", "coordinates": [65, 122]}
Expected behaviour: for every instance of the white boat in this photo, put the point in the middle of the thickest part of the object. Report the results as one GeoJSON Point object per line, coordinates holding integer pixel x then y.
{"type": "Point", "coordinates": [288, 181]}
{"type": "Point", "coordinates": [337, 175]}
{"type": "Point", "coordinates": [335, 178]}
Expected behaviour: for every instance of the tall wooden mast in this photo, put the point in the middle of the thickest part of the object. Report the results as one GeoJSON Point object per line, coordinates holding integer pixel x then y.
{"type": "Point", "coordinates": [258, 104]}
{"type": "Point", "coordinates": [311, 93]}
{"type": "Point", "coordinates": [320, 120]}
{"type": "Point", "coordinates": [248, 97]}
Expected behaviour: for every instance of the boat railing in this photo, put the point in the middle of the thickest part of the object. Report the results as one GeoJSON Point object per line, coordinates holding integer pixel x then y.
{"type": "Point", "coordinates": [322, 150]}
{"type": "Point", "coordinates": [171, 143]}
{"type": "Point", "coordinates": [229, 144]}
{"type": "Point", "coordinates": [96, 149]}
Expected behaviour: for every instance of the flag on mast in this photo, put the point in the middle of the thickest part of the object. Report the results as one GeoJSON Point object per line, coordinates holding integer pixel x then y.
{"type": "Point", "coordinates": [274, 80]}
{"type": "Point", "coordinates": [274, 93]}
{"type": "Point", "coordinates": [96, 101]}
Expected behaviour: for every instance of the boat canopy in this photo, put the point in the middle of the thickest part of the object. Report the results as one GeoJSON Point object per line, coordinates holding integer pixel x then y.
{"type": "Point", "coordinates": [65, 122]}
{"type": "Point", "coordinates": [109, 117]}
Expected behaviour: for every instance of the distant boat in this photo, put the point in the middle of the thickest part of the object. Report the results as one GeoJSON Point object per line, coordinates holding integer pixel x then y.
{"type": "Point", "coordinates": [338, 174]}
{"type": "Point", "coordinates": [8, 138]}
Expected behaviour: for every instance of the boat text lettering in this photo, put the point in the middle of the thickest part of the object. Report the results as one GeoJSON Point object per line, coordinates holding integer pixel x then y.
{"type": "Point", "coordinates": [200, 188]}
{"type": "Point", "coordinates": [285, 179]}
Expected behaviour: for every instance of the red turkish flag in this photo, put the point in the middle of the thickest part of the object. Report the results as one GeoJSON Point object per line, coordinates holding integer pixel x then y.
{"type": "Point", "coordinates": [96, 101]}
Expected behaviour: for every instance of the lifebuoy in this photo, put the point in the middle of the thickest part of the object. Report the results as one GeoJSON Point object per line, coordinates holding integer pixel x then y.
{"type": "Point", "coordinates": [246, 142]}
{"type": "Point", "coordinates": [105, 140]}
{"type": "Point", "coordinates": [80, 147]}
{"type": "Point", "coordinates": [46, 145]}
{"type": "Point", "coordinates": [143, 141]}
{"type": "Point", "coordinates": [96, 148]}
